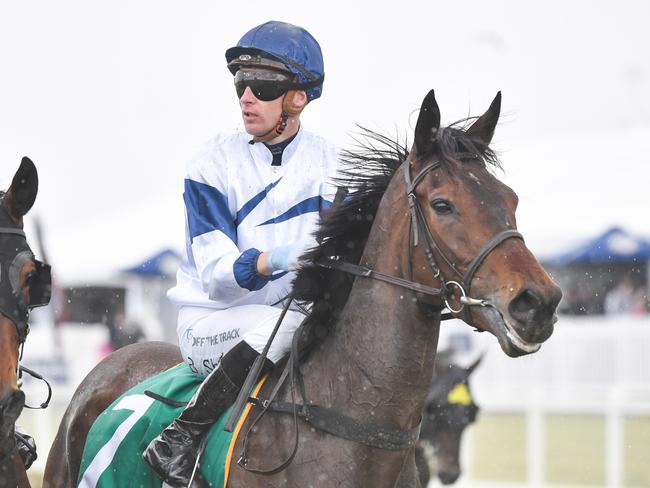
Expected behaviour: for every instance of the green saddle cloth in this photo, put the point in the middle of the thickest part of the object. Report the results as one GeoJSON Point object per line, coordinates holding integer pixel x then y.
{"type": "Point", "coordinates": [112, 455]}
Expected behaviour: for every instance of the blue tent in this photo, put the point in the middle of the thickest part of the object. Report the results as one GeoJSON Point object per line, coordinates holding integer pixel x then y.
{"type": "Point", "coordinates": [163, 264]}
{"type": "Point", "coordinates": [614, 246]}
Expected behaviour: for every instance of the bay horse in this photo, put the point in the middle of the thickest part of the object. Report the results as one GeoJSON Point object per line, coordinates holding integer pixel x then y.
{"type": "Point", "coordinates": [418, 231]}
{"type": "Point", "coordinates": [24, 284]}
{"type": "Point", "coordinates": [448, 410]}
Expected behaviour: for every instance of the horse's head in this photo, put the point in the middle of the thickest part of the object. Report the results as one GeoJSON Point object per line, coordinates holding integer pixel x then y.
{"type": "Point", "coordinates": [465, 218]}
{"type": "Point", "coordinates": [448, 410]}
{"type": "Point", "coordinates": [24, 284]}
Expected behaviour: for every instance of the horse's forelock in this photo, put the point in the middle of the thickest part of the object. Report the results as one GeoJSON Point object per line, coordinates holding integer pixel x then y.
{"type": "Point", "coordinates": [456, 145]}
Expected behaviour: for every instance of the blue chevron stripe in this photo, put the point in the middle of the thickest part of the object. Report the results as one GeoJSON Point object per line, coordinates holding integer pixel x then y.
{"type": "Point", "coordinates": [207, 210]}
{"type": "Point", "coordinates": [248, 207]}
{"type": "Point", "coordinates": [312, 204]}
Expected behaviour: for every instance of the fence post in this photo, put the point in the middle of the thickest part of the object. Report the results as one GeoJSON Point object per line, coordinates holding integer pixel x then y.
{"type": "Point", "coordinates": [614, 439]}
{"type": "Point", "coordinates": [535, 439]}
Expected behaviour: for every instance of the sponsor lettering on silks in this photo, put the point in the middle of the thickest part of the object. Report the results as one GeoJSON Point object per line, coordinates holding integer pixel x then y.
{"type": "Point", "coordinates": [216, 339]}
{"type": "Point", "coordinates": [210, 364]}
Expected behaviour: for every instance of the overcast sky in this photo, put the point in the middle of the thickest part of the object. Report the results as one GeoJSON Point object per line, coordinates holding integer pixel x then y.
{"type": "Point", "coordinates": [110, 99]}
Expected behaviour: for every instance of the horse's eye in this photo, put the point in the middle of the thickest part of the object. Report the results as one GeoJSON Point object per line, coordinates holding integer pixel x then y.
{"type": "Point", "coordinates": [442, 207]}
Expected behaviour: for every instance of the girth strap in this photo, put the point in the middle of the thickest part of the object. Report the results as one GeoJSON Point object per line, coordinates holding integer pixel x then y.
{"type": "Point", "coordinates": [345, 427]}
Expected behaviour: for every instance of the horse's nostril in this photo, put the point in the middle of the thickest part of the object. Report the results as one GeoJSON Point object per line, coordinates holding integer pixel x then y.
{"type": "Point", "coordinates": [525, 303]}
{"type": "Point", "coordinates": [534, 314]}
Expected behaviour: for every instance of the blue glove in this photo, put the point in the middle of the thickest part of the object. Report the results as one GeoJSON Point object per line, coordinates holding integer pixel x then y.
{"type": "Point", "coordinates": [286, 258]}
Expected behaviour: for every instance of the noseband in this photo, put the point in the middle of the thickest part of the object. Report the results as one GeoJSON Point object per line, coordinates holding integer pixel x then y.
{"type": "Point", "coordinates": [419, 228]}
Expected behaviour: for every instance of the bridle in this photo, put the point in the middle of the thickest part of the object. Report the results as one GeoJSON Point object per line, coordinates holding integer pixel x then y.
{"type": "Point", "coordinates": [19, 313]}
{"type": "Point", "coordinates": [419, 227]}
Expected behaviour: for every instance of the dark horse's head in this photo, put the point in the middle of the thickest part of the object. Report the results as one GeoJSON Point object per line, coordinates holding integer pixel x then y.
{"type": "Point", "coordinates": [447, 223]}
{"type": "Point", "coordinates": [24, 282]}
{"type": "Point", "coordinates": [470, 217]}
{"type": "Point", "coordinates": [448, 410]}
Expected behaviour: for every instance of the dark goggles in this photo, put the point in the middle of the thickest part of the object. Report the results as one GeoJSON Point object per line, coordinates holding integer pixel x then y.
{"type": "Point", "coordinates": [265, 85]}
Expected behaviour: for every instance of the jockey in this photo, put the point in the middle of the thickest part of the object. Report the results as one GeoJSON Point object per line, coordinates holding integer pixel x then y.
{"type": "Point", "coordinates": [252, 201]}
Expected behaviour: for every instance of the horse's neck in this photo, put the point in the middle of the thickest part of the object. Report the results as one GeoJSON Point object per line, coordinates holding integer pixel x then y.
{"type": "Point", "coordinates": [380, 358]}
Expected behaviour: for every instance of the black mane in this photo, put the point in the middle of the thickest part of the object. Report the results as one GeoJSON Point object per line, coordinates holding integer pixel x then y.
{"type": "Point", "coordinates": [366, 171]}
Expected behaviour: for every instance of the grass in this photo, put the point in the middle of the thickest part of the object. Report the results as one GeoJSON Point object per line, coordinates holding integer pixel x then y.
{"type": "Point", "coordinates": [575, 449]}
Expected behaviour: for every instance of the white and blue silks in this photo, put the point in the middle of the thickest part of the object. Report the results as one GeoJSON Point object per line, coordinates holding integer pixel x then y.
{"type": "Point", "coordinates": [237, 205]}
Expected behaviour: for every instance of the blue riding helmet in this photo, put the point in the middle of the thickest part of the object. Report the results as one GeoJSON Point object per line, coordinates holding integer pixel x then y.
{"type": "Point", "coordinates": [288, 44]}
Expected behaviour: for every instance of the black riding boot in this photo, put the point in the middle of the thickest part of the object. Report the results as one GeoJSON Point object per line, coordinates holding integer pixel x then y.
{"type": "Point", "coordinates": [172, 454]}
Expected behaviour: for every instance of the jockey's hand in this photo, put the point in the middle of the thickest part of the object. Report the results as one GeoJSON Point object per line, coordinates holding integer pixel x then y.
{"type": "Point", "coordinates": [286, 258]}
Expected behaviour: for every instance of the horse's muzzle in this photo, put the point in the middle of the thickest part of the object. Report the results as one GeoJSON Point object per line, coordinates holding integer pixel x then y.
{"type": "Point", "coordinates": [534, 312]}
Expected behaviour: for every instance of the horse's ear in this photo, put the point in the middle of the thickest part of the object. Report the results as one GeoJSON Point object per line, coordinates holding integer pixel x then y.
{"type": "Point", "coordinates": [427, 126]}
{"type": "Point", "coordinates": [483, 128]}
{"type": "Point", "coordinates": [471, 369]}
{"type": "Point", "coordinates": [22, 193]}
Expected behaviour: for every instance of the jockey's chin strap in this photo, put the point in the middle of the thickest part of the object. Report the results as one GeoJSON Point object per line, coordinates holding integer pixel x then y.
{"type": "Point", "coordinates": [289, 109]}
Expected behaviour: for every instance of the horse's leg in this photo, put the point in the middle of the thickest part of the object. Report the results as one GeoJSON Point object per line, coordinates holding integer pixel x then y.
{"type": "Point", "coordinates": [104, 384]}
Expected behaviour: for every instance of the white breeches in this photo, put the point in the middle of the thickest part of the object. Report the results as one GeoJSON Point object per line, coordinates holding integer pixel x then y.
{"type": "Point", "coordinates": [206, 334]}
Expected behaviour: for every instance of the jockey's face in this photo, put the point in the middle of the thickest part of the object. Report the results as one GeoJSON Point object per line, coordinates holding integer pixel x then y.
{"type": "Point", "coordinates": [259, 116]}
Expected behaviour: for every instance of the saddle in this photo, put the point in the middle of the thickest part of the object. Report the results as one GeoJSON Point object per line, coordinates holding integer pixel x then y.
{"type": "Point", "coordinates": [121, 433]}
